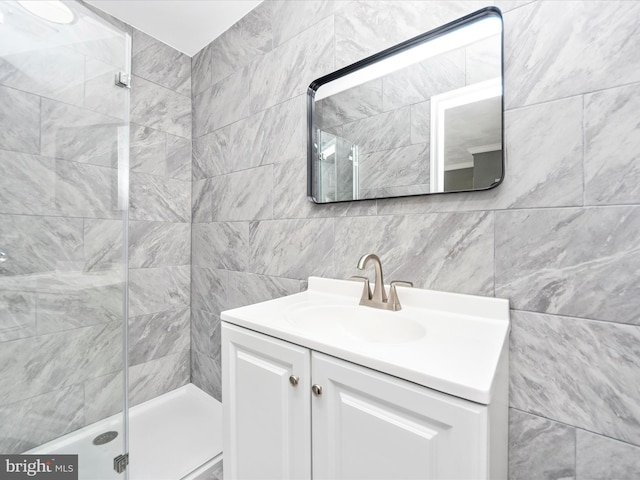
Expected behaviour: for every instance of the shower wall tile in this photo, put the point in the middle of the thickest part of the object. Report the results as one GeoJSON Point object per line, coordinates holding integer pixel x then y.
{"type": "Point", "coordinates": [247, 39]}
{"type": "Point", "coordinates": [543, 55]}
{"type": "Point", "coordinates": [287, 71]}
{"type": "Point", "coordinates": [208, 289]}
{"type": "Point", "coordinates": [557, 363]}
{"type": "Point", "coordinates": [221, 245]}
{"type": "Point", "coordinates": [159, 244]}
{"type": "Point", "coordinates": [156, 198]}
{"type": "Point", "coordinates": [159, 63]}
{"type": "Point", "coordinates": [17, 307]}
{"type": "Point", "coordinates": [153, 290]}
{"type": "Point", "coordinates": [39, 244]}
{"type": "Point", "coordinates": [103, 397]}
{"type": "Point", "coordinates": [201, 201]}
{"type": "Point", "coordinates": [150, 379]}
{"type": "Point", "coordinates": [103, 245]}
{"type": "Point", "coordinates": [577, 262]}
{"type": "Point", "coordinates": [84, 190]}
{"type": "Point", "coordinates": [79, 135]}
{"type": "Point", "coordinates": [211, 154]}
{"type": "Point", "coordinates": [540, 449]}
{"type": "Point", "coordinates": [160, 108]}
{"type": "Point", "coordinates": [69, 300]}
{"type": "Point", "coordinates": [367, 27]}
{"type": "Point", "coordinates": [206, 374]}
{"type": "Point", "coordinates": [99, 92]}
{"type": "Point", "coordinates": [201, 71]}
{"type": "Point", "coordinates": [222, 104]}
{"type": "Point", "coordinates": [205, 333]}
{"type": "Point", "coordinates": [32, 422]}
{"type": "Point", "coordinates": [292, 18]}
{"type": "Point", "coordinates": [158, 153]}
{"type": "Point", "coordinates": [27, 183]}
{"type": "Point", "coordinates": [54, 71]}
{"type": "Point", "coordinates": [20, 121]}
{"type": "Point", "coordinates": [457, 247]}
{"type": "Point", "coordinates": [64, 359]}
{"type": "Point", "coordinates": [601, 457]}
{"type": "Point", "coordinates": [612, 146]}
{"type": "Point", "coordinates": [158, 335]}
{"type": "Point", "coordinates": [292, 248]}
{"type": "Point", "coordinates": [245, 195]}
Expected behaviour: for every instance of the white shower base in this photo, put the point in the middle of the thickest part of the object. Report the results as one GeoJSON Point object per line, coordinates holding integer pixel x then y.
{"type": "Point", "coordinates": [175, 436]}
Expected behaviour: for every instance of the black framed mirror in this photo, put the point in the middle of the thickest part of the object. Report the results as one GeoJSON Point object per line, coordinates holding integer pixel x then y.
{"type": "Point", "coordinates": [422, 117]}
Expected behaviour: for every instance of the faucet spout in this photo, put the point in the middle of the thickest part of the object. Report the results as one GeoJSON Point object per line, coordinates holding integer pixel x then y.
{"type": "Point", "coordinates": [379, 294]}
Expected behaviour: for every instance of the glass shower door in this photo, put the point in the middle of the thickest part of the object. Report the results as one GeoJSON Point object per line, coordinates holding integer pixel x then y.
{"type": "Point", "coordinates": [63, 233]}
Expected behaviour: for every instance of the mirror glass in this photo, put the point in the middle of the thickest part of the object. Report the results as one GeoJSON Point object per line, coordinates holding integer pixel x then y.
{"type": "Point", "coordinates": [422, 117]}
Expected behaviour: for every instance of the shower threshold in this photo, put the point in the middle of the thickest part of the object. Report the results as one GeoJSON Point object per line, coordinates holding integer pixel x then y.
{"type": "Point", "coordinates": [175, 436]}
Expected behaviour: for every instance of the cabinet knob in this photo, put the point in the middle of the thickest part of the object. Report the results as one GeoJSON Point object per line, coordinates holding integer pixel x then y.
{"type": "Point", "coordinates": [293, 380]}
{"type": "Point", "coordinates": [317, 390]}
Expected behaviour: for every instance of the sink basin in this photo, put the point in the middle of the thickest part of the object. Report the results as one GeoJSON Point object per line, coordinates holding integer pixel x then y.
{"type": "Point", "coordinates": [360, 323]}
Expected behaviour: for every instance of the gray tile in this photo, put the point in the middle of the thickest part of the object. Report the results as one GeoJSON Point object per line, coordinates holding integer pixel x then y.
{"type": "Point", "coordinates": [292, 18]}
{"type": "Point", "coordinates": [222, 104]}
{"type": "Point", "coordinates": [449, 251]}
{"type": "Point", "coordinates": [39, 244]}
{"type": "Point", "coordinates": [421, 122]}
{"type": "Point", "coordinates": [541, 52]}
{"type": "Point", "coordinates": [245, 195]}
{"type": "Point", "coordinates": [20, 121]}
{"type": "Point", "coordinates": [69, 300]}
{"type": "Point", "coordinates": [221, 245]}
{"type": "Point", "coordinates": [37, 365]}
{"type": "Point", "coordinates": [159, 244]}
{"type": "Point", "coordinates": [158, 335]}
{"type": "Point", "coordinates": [159, 153]}
{"type": "Point", "coordinates": [247, 288]}
{"type": "Point", "coordinates": [103, 244]}
{"type": "Point", "coordinates": [367, 27]}
{"type": "Point", "coordinates": [292, 248]}
{"type": "Point", "coordinates": [52, 71]}
{"type": "Point", "coordinates": [211, 154]}
{"type": "Point", "coordinates": [393, 130]}
{"type": "Point", "coordinates": [99, 92]}
{"type": "Point", "coordinates": [160, 108]}
{"type": "Point", "coordinates": [84, 190]}
{"type": "Point", "coordinates": [158, 199]}
{"type": "Point", "coordinates": [201, 71]}
{"type": "Point", "coordinates": [404, 166]}
{"type": "Point", "coordinates": [598, 458]}
{"type": "Point", "coordinates": [540, 449]}
{"type": "Point", "coordinates": [206, 374]}
{"type": "Point", "coordinates": [153, 290]}
{"type": "Point", "coordinates": [483, 60]}
{"type": "Point", "coordinates": [578, 262]}
{"type": "Point", "coordinates": [159, 63]}
{"type": "Point", "coordinates": [247, 39]}
{"type": "Point", "coordinates": [578, 372]}
{"type": "Point", "coordinates": [104, 396]}
{"type": "Point", "coordinates": [205, 334]}
{"type": "Point", "coordinates": [27, 183]}
{"type": "Point", "coordinates": [362, 101]}
{"type": "Point", "coordinates": [287, 71]}
{"type": "Point", "coordinates": [79, 135]}
{"type": "Point", "coordinates": [17, 307]}
{"type": "Point", "coordinates": [150, 379]}
{"type": "Point", "coordinates": [201, 201]}
{"type": "Point", "coordinates": [208, 289]}
{"type": "Point", "coordinates": [37, 420]}
{"type": "Point", "coordinates": [612, 161]}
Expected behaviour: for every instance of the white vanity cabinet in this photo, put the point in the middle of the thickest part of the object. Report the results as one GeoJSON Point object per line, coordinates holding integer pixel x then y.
{"type": "Point", "coordinates": [363, 424]}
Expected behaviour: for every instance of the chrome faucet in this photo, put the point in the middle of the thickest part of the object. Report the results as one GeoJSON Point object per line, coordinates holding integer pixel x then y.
{"type": "Point", "coordinates": [378, 299]}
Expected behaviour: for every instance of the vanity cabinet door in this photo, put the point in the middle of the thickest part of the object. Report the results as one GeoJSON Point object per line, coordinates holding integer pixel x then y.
{"type": "Point", "coordinates": [266, 418]}
{"type": "Point", "coordinates": [368, 425]}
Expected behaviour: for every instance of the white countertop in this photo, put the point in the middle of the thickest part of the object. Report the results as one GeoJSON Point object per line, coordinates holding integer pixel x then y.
{"type": "Point", "coordinates": [464, 337]}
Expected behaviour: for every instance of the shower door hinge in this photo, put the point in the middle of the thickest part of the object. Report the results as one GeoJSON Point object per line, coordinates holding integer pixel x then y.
{"type": "Point", "coordinates": [123, 80]}
{"type": "Point", "coordinates": [120, 463]}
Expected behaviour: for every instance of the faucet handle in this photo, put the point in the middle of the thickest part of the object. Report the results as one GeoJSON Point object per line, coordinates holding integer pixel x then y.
{"type": "Point", "coordinates": [393, 294]}
{"type": "Point", "coordinates": [366, 291]}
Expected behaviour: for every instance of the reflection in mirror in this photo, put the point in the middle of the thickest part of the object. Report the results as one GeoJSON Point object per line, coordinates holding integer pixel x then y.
{"type": "Point", "coordinates": [422, 117]}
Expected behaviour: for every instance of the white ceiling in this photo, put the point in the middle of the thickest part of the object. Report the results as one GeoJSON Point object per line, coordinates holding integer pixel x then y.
{"type": "Point", "coordinates": [186, 25]}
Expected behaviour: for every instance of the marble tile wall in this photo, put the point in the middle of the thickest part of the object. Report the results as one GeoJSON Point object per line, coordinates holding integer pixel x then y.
{"type": "Point", "coordinates": [62, 289]}
{"type": "Point", "coordinates": [559, 238]}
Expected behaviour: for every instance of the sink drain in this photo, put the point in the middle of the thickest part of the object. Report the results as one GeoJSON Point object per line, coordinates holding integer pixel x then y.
{"type": "Point", "coordinates": [105, 437]}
